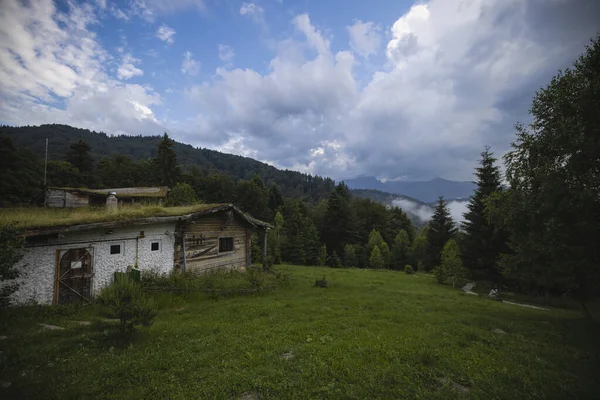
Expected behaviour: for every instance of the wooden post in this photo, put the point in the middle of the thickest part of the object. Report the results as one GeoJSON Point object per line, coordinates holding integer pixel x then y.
{"type": "Point", "coordinates": [184, 255]}
{"type": "Point", "coordinates": [264, 257]}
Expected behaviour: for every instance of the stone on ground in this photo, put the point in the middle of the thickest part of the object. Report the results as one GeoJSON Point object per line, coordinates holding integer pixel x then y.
{"type": "Point", "coordinates": [287, 356]}
{"type": "Point", "coordinates": [468, 289]}
{"type": "Point", "coordinates": [496, 330]}
{"type": "Point", "coordinates": [51, 327]}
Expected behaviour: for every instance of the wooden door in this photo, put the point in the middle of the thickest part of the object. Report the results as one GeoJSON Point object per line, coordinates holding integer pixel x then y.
{"type": "Point", "coordinates": [74, 276]}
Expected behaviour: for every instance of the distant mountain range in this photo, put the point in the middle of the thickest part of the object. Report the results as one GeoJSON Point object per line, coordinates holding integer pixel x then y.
{"type": "Point", "coordinates": [427, 191]}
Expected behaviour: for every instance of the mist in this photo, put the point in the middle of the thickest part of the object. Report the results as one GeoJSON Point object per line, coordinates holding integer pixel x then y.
{"type": "Point", "coordinates": [424, 211]}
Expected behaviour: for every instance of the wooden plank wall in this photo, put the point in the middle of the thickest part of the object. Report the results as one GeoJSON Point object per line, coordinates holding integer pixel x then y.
{"type": "Point", "coordinates": [202, 243]}
{"type": "Point", "coordinates": [64, 199]}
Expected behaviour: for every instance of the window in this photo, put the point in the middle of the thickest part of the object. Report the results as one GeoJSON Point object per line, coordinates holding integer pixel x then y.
{"type": "Point", "coordinates": [115, 249]}
{"type": "Point", "coordinates": [225, 244]}
{"type": "Point", "coordinates": [155, 246]}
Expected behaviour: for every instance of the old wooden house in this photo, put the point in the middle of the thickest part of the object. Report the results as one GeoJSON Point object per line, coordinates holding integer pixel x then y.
{"type": "Point", "coordinates": [61, 197]}
{"type": "Point", "coordinates": [72, 262]}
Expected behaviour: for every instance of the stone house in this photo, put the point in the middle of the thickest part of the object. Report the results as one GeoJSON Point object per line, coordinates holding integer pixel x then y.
{"type": "Point", "coordinates": [72, 262]}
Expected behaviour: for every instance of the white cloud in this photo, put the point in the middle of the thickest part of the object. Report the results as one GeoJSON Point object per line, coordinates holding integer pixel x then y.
{"type": "Point", "coordinates": [452, 73]}
{"type": "Point", "coordinates": [54, 71]}
{"type": "Point", "coordinates": [127, 69]}
{"type": "Point", "coordinates": [166, 34]}
{"type": "Point", "coordinates": [189, 66]}
{"type": "Point", "coordinates": [226, 53]}
{"type": "Point", "coordinates": [253, 11]}
{"type": "Point", "coordinates": [313, 36]}
{"type": "Point", "coordinates": [365, 38]}
{"type": "Point", "coordinates": [424, 211]}
{"type": "Point", "coordinates": [101, 4]}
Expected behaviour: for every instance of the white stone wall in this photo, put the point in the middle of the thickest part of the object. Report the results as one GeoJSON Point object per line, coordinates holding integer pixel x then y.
{"type": "Point", "coordinates": [38, 265]}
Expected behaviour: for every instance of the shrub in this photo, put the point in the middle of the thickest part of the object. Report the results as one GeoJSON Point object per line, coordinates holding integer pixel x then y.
{"type": "Point", "coordinates": [408, 269]}
{"type": "Point", "coordinates": [10, 253]}
{"type": "Point", "coordinates": [181, 195]}
{"type": "Point", "coordinates": [127, 302]}
{"type": "Point", "coordinates": [452, 267]}
{"type": "Point", "coordinates": [376, 259]}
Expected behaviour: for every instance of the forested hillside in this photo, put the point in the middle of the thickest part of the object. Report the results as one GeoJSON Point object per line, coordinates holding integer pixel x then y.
{"type": "Point", "coordinates": [138, 148]}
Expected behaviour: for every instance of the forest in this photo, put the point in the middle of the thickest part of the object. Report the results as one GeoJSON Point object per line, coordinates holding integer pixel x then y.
{"type": "Point", "coordinates": [533, 229]}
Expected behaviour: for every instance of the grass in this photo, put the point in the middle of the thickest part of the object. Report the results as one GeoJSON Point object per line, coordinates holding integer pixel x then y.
{"type": "Point", "coordinates": [25, 218]}
{"type": "Point", "coordinates": [371, 334]}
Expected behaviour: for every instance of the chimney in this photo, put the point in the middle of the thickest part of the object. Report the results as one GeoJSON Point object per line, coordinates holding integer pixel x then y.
{"type": "Point", "coordinates": [112, 202]}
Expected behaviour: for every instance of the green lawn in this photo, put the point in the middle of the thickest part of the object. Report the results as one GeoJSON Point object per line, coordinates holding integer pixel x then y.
{"type": "Point", "coordinates": [371, 334]}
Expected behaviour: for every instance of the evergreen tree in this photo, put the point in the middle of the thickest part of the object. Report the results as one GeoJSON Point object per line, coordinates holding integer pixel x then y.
{"type": "Point", "coordinates": [338, 222]}
{"type": "Point", "coordinates": [79, 155]}
{"type": "Point", "coordinates": [181, 195]}
{"type": "Point", "coordinates": [275, 198]}
{"type": "Point", "coordinates": [333, 261]}
{"type": "Point", "coordinates": [400, 251]}
{"type": "Point", "coordinates": [376, 259]}
{"type": "Point", "coordinates": [252, 197]}
{"type": "Point", "coordinates": [165, 162]}
{"type": "Point", "coordinates": [441, 229]}
{"type": "Point", "coordinates": [482, 241]}
{"type": "Point", "coordinates": [552, 207]}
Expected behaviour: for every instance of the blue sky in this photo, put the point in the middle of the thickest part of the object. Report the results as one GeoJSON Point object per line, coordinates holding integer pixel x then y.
{"type": "Point", "coordinates": [395, 89]}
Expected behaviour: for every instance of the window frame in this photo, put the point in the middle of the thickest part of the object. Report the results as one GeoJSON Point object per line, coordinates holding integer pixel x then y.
{"type": "Point", "coordinates": [232, 244]}
{"type": "Point", "coordinates": [110, 249]}
{"type": "Point", "coordinates": [157, 243]}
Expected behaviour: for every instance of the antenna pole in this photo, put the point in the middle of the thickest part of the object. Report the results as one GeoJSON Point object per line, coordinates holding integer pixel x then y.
{"type": "Point", "coordinates": [45, 171]}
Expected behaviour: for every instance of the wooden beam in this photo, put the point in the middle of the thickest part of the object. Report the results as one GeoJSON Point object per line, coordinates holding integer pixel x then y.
{"type": "Point", "coordinates": [264, 255]}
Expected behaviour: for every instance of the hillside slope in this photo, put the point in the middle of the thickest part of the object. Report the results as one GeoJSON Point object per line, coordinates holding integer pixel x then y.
{"type": "Point", "coordinates": [291, 183]}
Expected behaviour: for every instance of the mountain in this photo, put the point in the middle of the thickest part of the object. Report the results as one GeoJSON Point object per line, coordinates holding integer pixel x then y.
{"type": "Point", "coordinates": [291, 183]}
{"type": "Point", "coordinates": [418, 211]}
{"type": "Point", "coordinates": [427, 192]}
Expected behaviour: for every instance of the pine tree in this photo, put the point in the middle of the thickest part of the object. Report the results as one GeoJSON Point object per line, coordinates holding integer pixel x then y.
{"type": "Point", "coordinates": [165, 162]}
{"type": "Point", "coordinates": [322, 256]}
{"type": "Point", "coordinates": [80, 157]}
{"type": "Point", "coordinates": [376, 259]}
{"type": "Point", "coordinates": [338, 227]}
{"type": "Point", "coordinates": [482, 241]}
{"type": "Point", "coordinates": [441, 229]}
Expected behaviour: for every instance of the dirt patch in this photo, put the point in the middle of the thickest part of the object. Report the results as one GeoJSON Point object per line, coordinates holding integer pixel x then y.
{"type": "Point", "coordinates": [287, 356]}
{"type": "Point", "coordinates": [248, 396]}
{"type": "Point", "coordinates": [500, 331]}
{"type": "Point", "coordinates": [462, 389]}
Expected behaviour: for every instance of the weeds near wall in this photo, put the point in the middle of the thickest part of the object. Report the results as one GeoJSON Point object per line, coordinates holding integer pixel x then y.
{"type": "Point", "coordinates": [126, 301]}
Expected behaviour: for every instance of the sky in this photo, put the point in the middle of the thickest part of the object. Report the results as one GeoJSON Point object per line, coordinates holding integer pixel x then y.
{"type": "Point", "coordinates": [399, 90]}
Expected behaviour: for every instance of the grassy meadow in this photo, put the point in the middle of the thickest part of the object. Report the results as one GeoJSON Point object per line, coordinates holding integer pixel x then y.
{"type": "Point", "coordinates": [370, 335]}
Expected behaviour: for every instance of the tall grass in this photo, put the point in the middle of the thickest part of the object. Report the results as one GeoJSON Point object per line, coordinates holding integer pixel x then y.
{"type": "Point", "coordinates": [24, 218]}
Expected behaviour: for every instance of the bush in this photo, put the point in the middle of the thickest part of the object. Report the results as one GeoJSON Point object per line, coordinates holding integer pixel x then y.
{"type": "Point", "coordinates": [452, 267]}
{"type": "Point", "coordinates": [408, 269]}
{"type": "Point", "coordinates": [181, 195]}
{"type": "Point", "coordinates": [11, 247]}
{"type": "Point", "coordinates": [127, 302]}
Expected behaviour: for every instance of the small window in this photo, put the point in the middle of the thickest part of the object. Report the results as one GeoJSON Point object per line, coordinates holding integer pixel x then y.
{"type": "Point", "coordinates": [154, 246]}
{"type": "Point", "coordinates": [115, 249]}
{"type": "Point", "coordinates": [225, 244]}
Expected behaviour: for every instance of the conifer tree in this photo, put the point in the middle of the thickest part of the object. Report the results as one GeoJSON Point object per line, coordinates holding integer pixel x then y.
{"type": "Point", "coordinates": [441, 229]}
{"type": "Point", "coordinates": [482, 241]}
{"type": "Point", "coordinates": [400, 250]}
{"type": "Point", "coordinates": [79, 156]}
{"type": "Point", "coordinates": [165, 162]}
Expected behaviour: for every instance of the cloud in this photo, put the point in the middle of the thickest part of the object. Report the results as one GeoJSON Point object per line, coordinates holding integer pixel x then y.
{"type": "Point", "coordinates": [365, 38]}
{"type": "Point", "coordinates": [424, 211]}
{"type": "Point", "coordinates": [54, 71]}
{"type": "Point", "coordinates": [166, 34]}
{"type": "Point", "coordinates": [189, 66]}
{"type": "Point", "coordinates": [313, 36]}
{"type": "Point", "coordinates": [456, 76]}
{"type": "Point", "coordinates": [226, 53]}
{"type": "Point", "coordinates": [252, 11]}
{"type": "Point", "coordinates": [127, 69]}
